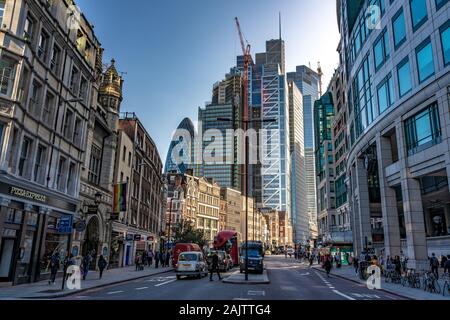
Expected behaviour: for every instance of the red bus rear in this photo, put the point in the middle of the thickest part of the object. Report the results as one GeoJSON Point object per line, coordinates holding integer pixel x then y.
{"type": "Point", "coordinates": [228, 241]}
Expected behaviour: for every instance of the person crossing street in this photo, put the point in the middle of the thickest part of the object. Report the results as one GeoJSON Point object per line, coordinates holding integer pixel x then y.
{"type": "Point", "coordinates": [214, 267]}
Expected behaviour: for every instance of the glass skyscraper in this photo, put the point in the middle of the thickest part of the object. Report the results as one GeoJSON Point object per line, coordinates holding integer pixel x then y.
{"type": "Point", "coordinates": [184, 157]}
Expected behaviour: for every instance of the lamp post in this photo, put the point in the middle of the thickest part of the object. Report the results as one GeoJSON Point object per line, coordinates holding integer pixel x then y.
{"type": "Point", "coordinates": [245, 123]}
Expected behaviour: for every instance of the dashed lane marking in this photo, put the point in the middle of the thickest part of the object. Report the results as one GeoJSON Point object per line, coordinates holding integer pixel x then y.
{"type": "Point", "coordinates": [256, 293]}
{"type": "Point", "coordinates": [343, 295]}
{"type": "Point", "coordinates": [114, 292]}
{"type": "Point", "coordinates": [167, 282]}
{"type": "Point", "coordinates": [142, 288]}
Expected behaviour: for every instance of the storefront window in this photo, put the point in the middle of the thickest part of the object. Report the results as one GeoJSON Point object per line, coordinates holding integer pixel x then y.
{"type": "Point", "coordinates": [32, 219]}
{"type": "Point", "coordinates": [14, 216]}
{"type": "Point", "coordinates": [54, 242]}
{"type": "Point", "coordinates": [23, 266]}
{"type": "Point", "coordinates": [438, 224]}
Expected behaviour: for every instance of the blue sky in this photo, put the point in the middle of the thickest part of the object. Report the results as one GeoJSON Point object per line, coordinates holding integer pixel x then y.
{"type": "Point", "coordinates": [173, 51]}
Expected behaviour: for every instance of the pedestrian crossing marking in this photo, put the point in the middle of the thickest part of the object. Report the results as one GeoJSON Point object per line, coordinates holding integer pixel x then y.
{"type": "Point", "coordinates": [256, 293]}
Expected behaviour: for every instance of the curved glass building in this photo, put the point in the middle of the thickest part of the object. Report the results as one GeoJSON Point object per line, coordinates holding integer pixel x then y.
{"type": "Point", "coordinates": [180, 156]}
{"type": "Point", "coordinates": [396, 57]}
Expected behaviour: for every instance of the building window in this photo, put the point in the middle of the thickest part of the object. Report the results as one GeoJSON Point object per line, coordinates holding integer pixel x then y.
{"type": "Point", "coordinates": [419, 13]}
{"type": "Point", "coordinates": [78, 132]}
{"type": "Point", "coordinates": [60, 180]}
{"type": "Point", "coordinates": [71, 179]}
{"type": "Point", "coordinates": [362, 98]}
{"type": "Point", "coordinates": [423, 130]}
{"type": "Point", "coordinates": [399, 28]}
{"type": "Point", "coordinates": [94, 165]}
{"type": "Point", "coordinates": [440, 3]}
{"type": "Point", "coordinates": [83, 88]}
{"type": "Point", "coordinates": [39, 173]}
{"type": "Point", "coordinates": [34, 105]}
{"type": "Point", "coordinates": [129, 158]}
{"type": "Point", "coordinates": [385, 94]}
{"type": "Point", "coordinates": [124, 153]}
{"type": "Point", "coordinates": [445, 41]}
{"type": "Point", "coordinates": [43, 45]}
{"type": "Point", "coordinates": [425, 63]}
{"type": "Point", "coordinates": [28, 32]}
{"type": "Point", "coordinates": [67, 130]}
{"type": "Point", "coordinates": [7, 75]}
{"type": "Point", "coordinates": [74, 79]}
{"type": "Point", "coordinates": [381, 49]}
{"type": "Point", "coordinates": [404, 77]}
{"type": "Point", "coordinates": [49, 107]}
{"type": "Point", "coordinates": [2, 11]}
{"type": "Point", "coordinates": [24, 155]}
{"type": "Point", "coordinates": [2, 128]}
{"type": "Point", "coordinates": [55, 60]}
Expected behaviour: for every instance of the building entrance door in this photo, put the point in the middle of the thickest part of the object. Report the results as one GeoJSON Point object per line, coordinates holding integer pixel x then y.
{"type": "Point", "coordinates": [6, 259]}
{"type": "Point", "coordinates": [92, 241]}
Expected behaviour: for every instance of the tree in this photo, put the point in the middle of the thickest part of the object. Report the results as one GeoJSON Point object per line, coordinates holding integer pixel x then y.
{"type": "Point", "coordinates": [186, 233]}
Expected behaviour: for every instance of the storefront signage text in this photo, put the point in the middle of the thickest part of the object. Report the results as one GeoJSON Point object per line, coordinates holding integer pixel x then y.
{"type": "Point", "coordinates": [27, 194]}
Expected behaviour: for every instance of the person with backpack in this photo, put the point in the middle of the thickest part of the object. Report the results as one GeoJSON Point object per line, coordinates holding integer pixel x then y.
{"type": "Point", "coordinates": [434, 263]}
{"type": "Point", "coordinates": [102, 263]}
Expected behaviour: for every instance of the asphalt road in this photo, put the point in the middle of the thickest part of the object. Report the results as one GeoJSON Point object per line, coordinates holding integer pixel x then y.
{"type": "Point", "coordinates": [290, 280]}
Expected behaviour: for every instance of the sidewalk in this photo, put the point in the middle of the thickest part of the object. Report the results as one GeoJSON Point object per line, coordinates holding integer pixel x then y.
{"type": "Point", "coordinates": [239, 278]}
{"type": "Point", "coordinates": [348, 272]}
{"type": "Point", "coordinates": [42, 290]}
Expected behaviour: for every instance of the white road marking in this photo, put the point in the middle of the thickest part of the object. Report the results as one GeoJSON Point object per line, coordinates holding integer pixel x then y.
{"type": "Point", "coordinates": [114, 292]}
{"type": "Point", "coordinates": [142, 288]}
{"type": "Point", "coordinates": [161, 284]}
{"type": "Point", "coordinates": [256, 293]}
{"type": "Point", "coordinates": [343, 295]}
{"type": "Point", "coordinates": [241, 299]}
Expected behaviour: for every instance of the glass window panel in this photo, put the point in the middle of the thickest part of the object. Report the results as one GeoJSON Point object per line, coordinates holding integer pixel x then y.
{"type": "Point", "coordinates": [425, 62]}
{"type": "Point", "coordinates": [445, 39]}
{"type": "Point", "coordinates": [404, 78]}
{"type": "Point", "coordinates": [382, 98]}
{"type": "Point", "coordinates": [418, 12]}
{"type": "Point", "coordinates": [398, 26]}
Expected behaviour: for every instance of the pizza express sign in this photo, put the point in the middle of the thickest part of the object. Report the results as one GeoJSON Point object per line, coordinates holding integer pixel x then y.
{"type": "Point", "coordinates": [19, 192]}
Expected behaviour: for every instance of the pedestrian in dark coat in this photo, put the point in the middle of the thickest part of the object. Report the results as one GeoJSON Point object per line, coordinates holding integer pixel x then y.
{"type": "Point", "coordinates": [447, 265]}
{"type": "Point", "coordinates": [214, 267]}
{"type": "Point", "coordinates": [85, 265]}
{"type": "Point", "coordinates": [168, 259]}
{"type": "Point", "coordinates": [102, 263]}
{"type": "Point", "coordinates": [328, 265]}
{"type": "Point", "coordinates": [156, 259]}
{"type": "Point", "coordinates": [150, 258]}
{"type": "Point", "coordinates": [161, 258]}
{"type": "Point", "coordinates": [54, 267]}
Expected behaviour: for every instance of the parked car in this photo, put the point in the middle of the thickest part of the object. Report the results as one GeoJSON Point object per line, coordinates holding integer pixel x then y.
{"type": "Point", "coordinates": [183, 247]}
{"type": "Point", "coordinates": [223, 263]}
{"type": "Point", "coordinates": [191, 264]}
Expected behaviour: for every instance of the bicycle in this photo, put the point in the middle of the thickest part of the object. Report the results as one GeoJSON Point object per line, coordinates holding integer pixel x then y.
{"type": "Point", "coordinates": [446, 287]}
{"type": "Point", "coordinates": [411, 278]}
{"type": "Point", "coordinates": [430, 283]}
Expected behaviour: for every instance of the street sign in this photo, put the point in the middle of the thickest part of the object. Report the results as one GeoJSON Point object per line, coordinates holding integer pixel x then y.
{"type": "Point", "coordinates": [65, 224]}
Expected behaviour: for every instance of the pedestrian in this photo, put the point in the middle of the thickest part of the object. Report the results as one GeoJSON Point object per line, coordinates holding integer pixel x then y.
{"type": "Point", "coordinates": [328, 265]}
{"type": "Point", "coordinates": [161, 258]}
{"type": "Point", "coordinates": [168, 258]}
{"type": "Point", "coordinates": [311, 260]}
{"type": "Point", "coordinates": [318, 258]}
{"type": "Point", "coordinates": [137, 262]}
{"type": "Point", "coordinates": [156, 259]}
{"type": "Point", "coordinates": [356, 264]}
{"type": "Point", "coordinates": [214, 267]}
{"type": "Point", "coordinates": [443, 261]}
{"type": "Point", "coordinates": [447, 265]}
{"type": "Point", "coordinates": [85, 264]}
{"type": "Point", "coordinates": [102, 263]}
{"type": "Point", "coordinates": [434, 264]}
{"type": "Point", "coordinates": [398, 265]}
{"type": "Point", "coordinates": [150, 258]}
{"type": "Point", "coordinates": [144, 258]}
{"type": "Point", "coordinates": [54, 265]}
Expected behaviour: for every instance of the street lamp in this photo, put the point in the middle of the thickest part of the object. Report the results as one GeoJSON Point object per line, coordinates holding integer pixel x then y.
{"type": "Point", "coordinates": [246, 123]}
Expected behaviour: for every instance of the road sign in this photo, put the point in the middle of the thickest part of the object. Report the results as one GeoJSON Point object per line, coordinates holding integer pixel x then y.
{"type": "Point", "coordinates": [65, 224]}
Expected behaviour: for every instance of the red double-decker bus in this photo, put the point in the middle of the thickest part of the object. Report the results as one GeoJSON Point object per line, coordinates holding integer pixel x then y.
{"type": "Point", "coordinates": [228, 241]}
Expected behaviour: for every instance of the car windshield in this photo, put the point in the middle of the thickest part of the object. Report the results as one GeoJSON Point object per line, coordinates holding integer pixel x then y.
{"type": "Point", "coordinates": [252, 253]}
{"type": "Point", "coordinates": [188, 257]}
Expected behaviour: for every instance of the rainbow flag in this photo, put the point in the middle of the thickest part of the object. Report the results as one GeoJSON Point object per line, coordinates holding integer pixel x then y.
{"type": "Point", "coordinates": [120, 198]}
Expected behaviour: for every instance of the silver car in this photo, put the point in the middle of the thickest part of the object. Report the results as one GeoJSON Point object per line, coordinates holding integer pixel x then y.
{"type": "Point", "coordinates": [191, 264]}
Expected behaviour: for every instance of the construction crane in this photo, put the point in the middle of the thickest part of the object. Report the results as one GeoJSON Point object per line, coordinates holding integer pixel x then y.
{"type": "Point", "coordinates": [247, 58]}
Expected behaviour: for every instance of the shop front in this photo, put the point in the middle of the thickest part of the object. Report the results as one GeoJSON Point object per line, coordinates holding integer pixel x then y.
{"type": "Point", "coordinates": [33, 226]}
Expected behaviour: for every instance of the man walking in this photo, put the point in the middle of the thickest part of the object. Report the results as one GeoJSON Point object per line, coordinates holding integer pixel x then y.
{"type": "Point", "coordinates": [214, 267]}
{"type": "Point", "coordinates": [85, 264]}
{"type": "Point", "coordinates": [156, 259]}
{"type": "Point", "coordinates": [434, 263]}
{"type": "Point", "coordinates": [102, 263]}
{"type": "Point", "coordinates": [328, 265]}
{"type": "Point", "coordinates": [168, 258]}
{"type": "Point", "coordinates": [150, 258]}
{"type": "Point", "coordinates": [54, 267]}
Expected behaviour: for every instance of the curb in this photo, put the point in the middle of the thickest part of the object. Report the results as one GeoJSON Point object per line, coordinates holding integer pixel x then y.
{"type": "Point", "coordinates": [65, 294]}
{"type": "Point", "coordinates": [356, 281]}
